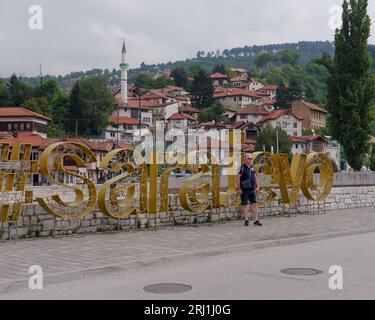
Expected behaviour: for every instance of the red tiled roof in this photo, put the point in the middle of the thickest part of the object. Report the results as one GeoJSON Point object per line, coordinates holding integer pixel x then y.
{"type": "Point", "coordinates": [125, 120]}
{"type": "Point", "coordinates": [181, 116]}
{"type": "Point", "coordinates": [238, 70]}
{"type": "Point", "coordinates": [236, 79]}
{"type": "Point", "coordinates": [246, 148]}
{"type": "Point", "coordinates": [270, 87]}
{"type": "Point", "coordinates": [314, 106]}
{"type": "Point", "coordinates": [38, 142]}
{"type": "Point", "coordinates": [218, 76]}
{"type": "Point", "coordinates": [236, 92]}
{"type": "Point", "coordinates": [175, 88]}
{"type": "Point", "coordinates": [26, 137]}
{"type": "Point", "coordinates": [71, 168]}
{"type": "Point", "coordinates": [253, 110]}
{"type": "Point", "coordinates": [262, 94]}
{"type": "Point", "coordinates": [306, 138]}
{"type": "Point", "coordinates": [277, 114]}
{"type": "Point", "coordinates": [250, 141]}
{"type": "Point", "coordinates": [20, 112]}
{"type": "Point", "coordinates": [242, 124]}
{"type": "Point", "coordinates": [269, 102]}
{"type": "Point", "coordinates": [144, 104]}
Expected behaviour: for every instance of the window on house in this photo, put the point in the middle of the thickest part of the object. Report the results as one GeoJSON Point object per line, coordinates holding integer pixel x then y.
{"type": "Point", "coordinates": [295, 134]}
{"type": "Point", "coordinates": [295, 125]}
{"type": "Point", "coordinates": [243, 116]}
{"type": "Point", "coordinates": [113, 135]}
{"type": "Point", "coordinates": [296, 146]}
{"type": "Point", "coordinates": [285, 125]}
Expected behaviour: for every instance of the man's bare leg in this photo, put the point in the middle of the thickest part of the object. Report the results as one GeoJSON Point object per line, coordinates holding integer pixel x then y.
{"type": "Point", "coordinates": [255, 211]}
{"type": "Point", "coordinates": [245, 212]}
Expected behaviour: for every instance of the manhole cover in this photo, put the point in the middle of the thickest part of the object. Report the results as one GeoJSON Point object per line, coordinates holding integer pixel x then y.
{"type": "Point", "coordinates": [167, 288]}
{"type": "Point", "coordinates": [301, 271]}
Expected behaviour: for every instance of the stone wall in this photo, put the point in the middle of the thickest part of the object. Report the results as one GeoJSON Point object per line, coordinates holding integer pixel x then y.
{"type": "Point", "coordinates": [34, 222]}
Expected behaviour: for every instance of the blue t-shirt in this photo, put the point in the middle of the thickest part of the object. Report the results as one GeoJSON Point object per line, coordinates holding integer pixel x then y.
{"type": "Point", "coordinates": [248, 173]}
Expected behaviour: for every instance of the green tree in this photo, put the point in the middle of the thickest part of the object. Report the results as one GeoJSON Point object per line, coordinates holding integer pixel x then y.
{"type": "Point", "coordinates": [372, 158]}
{"type": "Point", "coordinates": [285, 95]}
{"type": "Point", "coordinates": [350, 83]}
{"type": "Point", "coordinates": [267, 138]}
{"type": "Point", "coordinates": [287, 56]}
{"type": "Point", "coordinates": [264, 59]}
{"type": "Point", "coordinates": [60, 108]}
{"type": "Point", "coordinates": [5, 100]}
{"type": "Point", "coordinates": [19, 91]}
{"type": "Point", "coordinates": [90, 105]}
{"type": "Point", "coordinates": [39, 105]}
{"type": "Point", "coordinates": [161, 82]}
{"type": "Point", "coordinates": [219, 68]}
{"type": "Point", "coordinates": [213, 113]}
{"type": "Point", "coordinates": [180, 77]}
{"type": "Point", "coordinates": [202, 90]}
{"type": "Point", "coordinates": [48, 89]}
{"type": "Point", "coordinates": [194, 70]}
{"type": "Point", "coordinates": [144, 81]}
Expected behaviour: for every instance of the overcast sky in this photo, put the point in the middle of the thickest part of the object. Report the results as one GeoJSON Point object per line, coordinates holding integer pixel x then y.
{"type": "Point", "coordinates": [85, 34]}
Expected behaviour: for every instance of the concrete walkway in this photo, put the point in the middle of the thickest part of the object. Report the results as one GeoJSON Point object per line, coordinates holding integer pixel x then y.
{"type": "Point", "coordinates": [75, 258]}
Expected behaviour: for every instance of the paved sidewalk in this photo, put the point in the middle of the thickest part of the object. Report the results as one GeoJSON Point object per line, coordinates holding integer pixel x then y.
{"type": "Point", "coordinates": [79, 257]}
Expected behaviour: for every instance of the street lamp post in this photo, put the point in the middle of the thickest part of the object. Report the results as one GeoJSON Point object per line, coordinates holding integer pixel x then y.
{"type": "Point", "coordinates": [139, 108]}
{"type": "Point", "coordinates": [277, 139]}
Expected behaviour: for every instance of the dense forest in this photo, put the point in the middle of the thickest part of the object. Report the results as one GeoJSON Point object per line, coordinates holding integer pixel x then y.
{"type": "Point", "coordinates": [290, 63]}
{"type": "Point", "coordinates": [243, 57]}
{"type": "Point", "coordinates": [236, 57]}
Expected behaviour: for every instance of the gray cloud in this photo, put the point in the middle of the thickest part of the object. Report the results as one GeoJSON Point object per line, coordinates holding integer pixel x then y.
{"type": "Point", "coordinates": [84, 34]}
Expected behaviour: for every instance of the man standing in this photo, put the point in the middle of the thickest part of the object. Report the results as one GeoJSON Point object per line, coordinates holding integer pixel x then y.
{"type": "Point", "coordinates": [248, 187]}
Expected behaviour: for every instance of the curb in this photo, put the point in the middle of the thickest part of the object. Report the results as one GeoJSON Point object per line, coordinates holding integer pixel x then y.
{"type": "Point", "coordinates": [18, 284]}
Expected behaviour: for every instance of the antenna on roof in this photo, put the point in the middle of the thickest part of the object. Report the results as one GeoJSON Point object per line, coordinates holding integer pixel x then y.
{"type": "Point", "coordinates": [40, 73]}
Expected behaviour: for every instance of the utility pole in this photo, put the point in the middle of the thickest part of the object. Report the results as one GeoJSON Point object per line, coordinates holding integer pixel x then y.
{"type": "Point", "coordinates": [277, 139]}
{"type": "Point", "coordinates": [118, 124]}
{"type": "Point", "coordinates": [41, 73]}
{"type": "Point", "coordinates": [139, 109]}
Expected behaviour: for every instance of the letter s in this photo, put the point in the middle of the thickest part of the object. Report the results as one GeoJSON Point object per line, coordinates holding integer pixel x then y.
{"type": "Point", "coordinates": [52, 168]}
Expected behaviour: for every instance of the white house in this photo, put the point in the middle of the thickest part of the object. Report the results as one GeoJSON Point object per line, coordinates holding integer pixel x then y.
{"type": "Point", "coordinates": [20, 119]}
{"type": "Point", "coordinates": [239, 82]}
{"type": "Point", "coordinates": [285, 120]}
{"type": "Point", "coordinates": [235, 98]}
{"type": "Point", "coordinates": [270, 90]}
{"type": "Point", "coordinates": [250, 114]}
{"type": "Point", "coordinates": [219, 79]}
{"type": "Point", "coordinates": [254, 85]}
{"type": "Point", "coordinates": [180, 121]}
{"type": "Point", "coordinates": [124, 129]}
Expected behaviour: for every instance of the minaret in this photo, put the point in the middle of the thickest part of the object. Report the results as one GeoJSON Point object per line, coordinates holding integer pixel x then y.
{"type": "Point", "coordinates": [124, 75]}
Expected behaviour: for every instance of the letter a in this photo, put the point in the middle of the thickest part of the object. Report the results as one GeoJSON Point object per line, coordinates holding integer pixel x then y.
{"type": "Point", "coordinates": [336, 281]}
{"type": "Point", "coordinates": [36, 280]}
{"type": "Point", "coordinates": [36, 20]}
